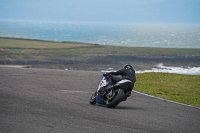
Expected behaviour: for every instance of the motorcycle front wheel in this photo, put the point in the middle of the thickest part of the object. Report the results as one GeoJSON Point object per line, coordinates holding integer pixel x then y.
{"type": "Point", "coordinates": [93, 98]}
{"type": "Point", "coordinates": [118, 95]}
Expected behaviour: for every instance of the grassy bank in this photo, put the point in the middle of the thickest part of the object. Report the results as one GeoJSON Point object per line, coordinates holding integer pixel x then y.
{"type": "Point", "coordinates": [180, 88]}
{"type": "Point", "coordinates": [46, 50]}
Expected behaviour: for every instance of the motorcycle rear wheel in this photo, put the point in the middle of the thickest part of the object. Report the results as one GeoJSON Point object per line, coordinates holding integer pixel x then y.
{"type": "Point", "coordinates": [119, 95]}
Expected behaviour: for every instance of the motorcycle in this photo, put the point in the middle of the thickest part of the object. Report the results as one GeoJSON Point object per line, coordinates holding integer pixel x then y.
{"type": "Point", "coordinates": [110, 94]}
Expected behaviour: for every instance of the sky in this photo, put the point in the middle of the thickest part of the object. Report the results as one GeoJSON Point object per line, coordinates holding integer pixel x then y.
{"type": "Point", "coordinates": [120, 11]}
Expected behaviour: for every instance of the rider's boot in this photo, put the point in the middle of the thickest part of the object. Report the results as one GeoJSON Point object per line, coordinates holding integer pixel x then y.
{"type": "Point", "coordinates": [128, 94]}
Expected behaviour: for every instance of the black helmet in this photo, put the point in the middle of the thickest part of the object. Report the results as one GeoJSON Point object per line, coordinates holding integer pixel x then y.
{"type": "Point", "coordinates": [128, 66]}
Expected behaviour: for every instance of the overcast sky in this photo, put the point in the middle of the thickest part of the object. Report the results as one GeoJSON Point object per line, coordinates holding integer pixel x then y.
{"type": "Point", "coordinates": [134, 11]}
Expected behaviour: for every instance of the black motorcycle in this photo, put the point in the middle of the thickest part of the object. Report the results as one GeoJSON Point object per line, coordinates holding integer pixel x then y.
{"type": "Point", "coordinates": [110, 94]}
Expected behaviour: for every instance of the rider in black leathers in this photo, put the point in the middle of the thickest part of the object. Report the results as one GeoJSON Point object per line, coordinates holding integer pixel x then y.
{"type": "Point", "coordinates": [126, 73]}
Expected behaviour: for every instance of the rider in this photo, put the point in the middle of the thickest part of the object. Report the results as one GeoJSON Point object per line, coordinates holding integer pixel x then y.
{"type": "Point", "coordinates": [126, 73]}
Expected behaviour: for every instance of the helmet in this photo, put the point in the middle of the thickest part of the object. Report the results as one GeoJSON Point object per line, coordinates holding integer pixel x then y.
{"type": "Point", "coordinates": [128, 66]}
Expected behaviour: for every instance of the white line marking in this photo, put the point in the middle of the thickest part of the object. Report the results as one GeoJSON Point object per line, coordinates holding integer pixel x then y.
{"type": "Point", "coordinates": [72, 91]}
{"type": "Point", "coordinates": [165, 99]}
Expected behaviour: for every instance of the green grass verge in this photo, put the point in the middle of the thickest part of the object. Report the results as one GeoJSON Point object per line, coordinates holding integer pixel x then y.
{"type": "Point", "coordinates": [180, 88]}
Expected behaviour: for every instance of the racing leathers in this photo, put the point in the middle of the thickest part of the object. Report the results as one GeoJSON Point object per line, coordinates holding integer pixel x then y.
{"type": "Point", "coordinates": [125, 74]}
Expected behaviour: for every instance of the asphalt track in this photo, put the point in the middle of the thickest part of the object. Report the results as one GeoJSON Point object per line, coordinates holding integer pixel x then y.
{"type": "Point", "coordinates": [57, 101]}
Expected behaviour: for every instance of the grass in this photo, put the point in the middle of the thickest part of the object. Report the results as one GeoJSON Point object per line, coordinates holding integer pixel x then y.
{"type": "Point", "coordinates": [180, 88]}
{"type": "Point", "coordinates": [36, 44]}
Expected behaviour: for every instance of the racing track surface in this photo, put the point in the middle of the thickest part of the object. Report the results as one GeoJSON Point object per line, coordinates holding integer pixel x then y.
{"type": "Point", "coordinates": [57, 101]}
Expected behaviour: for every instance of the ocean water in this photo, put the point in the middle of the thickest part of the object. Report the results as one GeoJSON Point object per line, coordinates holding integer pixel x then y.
{"type": "Point", "coordinates": [136, 35]}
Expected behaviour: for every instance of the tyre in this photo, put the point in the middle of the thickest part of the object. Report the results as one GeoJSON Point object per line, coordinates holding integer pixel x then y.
{"type": "Point", "coordinates": [116, 99]}
{"type": "Point", "coordinates": [93, 98]}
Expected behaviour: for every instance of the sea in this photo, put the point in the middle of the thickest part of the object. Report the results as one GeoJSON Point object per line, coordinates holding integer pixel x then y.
{"type": "Point", "coordinates": [117, 34]}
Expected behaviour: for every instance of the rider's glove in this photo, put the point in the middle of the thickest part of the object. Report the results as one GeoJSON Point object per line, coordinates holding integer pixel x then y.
{"type": "Point", "coordinates": [105, 74]}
